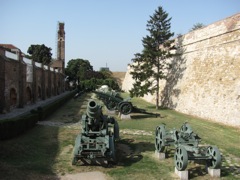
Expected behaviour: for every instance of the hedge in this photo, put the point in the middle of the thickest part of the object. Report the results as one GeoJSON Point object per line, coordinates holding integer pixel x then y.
{"type": "Point", "coordinates": [12, 127]}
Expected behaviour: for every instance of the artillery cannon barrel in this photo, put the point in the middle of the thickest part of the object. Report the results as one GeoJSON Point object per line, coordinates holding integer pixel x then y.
{"type": "Point", "coordinates": [93, 109]}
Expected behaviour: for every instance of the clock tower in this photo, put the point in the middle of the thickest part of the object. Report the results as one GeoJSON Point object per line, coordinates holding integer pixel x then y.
{"type": "Point", "coordinates": [61, 46]}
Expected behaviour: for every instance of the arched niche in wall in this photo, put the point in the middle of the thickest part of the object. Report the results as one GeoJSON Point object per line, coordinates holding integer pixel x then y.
{"type": "Point", "coordinates": [13, 97]}
{"type": "Point", "coordinates": [28, 95]}
{"type": "Point", "coordinates": [39, 92]}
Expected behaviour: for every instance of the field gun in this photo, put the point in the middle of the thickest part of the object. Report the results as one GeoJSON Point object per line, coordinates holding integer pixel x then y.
{"type": "Point", "coordinates": [187, 147]}
{"type": "Point", "coordinates": [113, 101]}
{"type": "Point", "coordinates": [97, 138]}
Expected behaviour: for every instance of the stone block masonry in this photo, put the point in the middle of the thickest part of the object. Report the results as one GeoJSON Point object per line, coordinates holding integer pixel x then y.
{"type": "Point", "coordinates": [24, 82]}
{"type": "Point", "coordinates": [205, 78]}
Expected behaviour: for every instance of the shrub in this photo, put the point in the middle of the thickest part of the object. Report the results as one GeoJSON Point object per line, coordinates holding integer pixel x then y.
{"type": "Point", "coordinates": [12, 127]}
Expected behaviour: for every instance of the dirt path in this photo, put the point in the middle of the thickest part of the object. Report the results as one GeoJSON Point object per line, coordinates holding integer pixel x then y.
{"type": "Point", "coordinates": [95, 175]}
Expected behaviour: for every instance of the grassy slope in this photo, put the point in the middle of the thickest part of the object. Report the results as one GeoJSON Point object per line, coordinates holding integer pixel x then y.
{"type": "Point", "coordinates": [46, 151]}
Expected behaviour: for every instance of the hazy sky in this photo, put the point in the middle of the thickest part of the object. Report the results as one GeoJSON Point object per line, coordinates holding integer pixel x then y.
{"type": "Point", "coordinates": [101, 31]}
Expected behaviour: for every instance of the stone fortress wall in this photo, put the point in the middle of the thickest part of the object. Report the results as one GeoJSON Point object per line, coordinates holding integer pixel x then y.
{"type": "Point", "coordinates": [24, 81]}
{"type": "Point", "coordinates": [205, 78]}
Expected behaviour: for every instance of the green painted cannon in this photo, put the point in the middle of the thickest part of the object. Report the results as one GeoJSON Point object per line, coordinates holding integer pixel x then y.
{"type": "Point", "coordinates": [78, 94]}
{"type": "Point", "coordinates": [187, 147]}
{"type": "Point", "coordinates": [97, 137]}
{"type": "Point", "coordinates": [113, 101]}
{"type": "Point", "coordinates": [110, 99]}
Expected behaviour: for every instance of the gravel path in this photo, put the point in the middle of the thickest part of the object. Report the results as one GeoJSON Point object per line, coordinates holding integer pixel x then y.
{"type": "Point", "coordinates": [20, 111]}
{"type": "Point", "coordinates": [95, 175]}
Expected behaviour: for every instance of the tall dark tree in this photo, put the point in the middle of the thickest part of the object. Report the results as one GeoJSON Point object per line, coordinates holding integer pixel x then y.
{"type": "Point", "coordinates": [78, 69]}
{"type": "Point", "coordinates": [40, 53]}
{"type": "Point", "coordinates": [150, 65]}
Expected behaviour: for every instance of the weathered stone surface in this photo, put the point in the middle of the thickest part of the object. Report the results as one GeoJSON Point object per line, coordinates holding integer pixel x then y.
{"type": "Point", "coordinates": [205, 79]}
{"type": "Point", "coordinates": [214, 172]}
{"type": "Point", "coordinates": [110, 112]}
{"type": "Point", "coordinates": [160, 155]}
{"type": "Point", "coordinates": [122, 116]}
{"type": "Point", "coordinates": [183, 175]}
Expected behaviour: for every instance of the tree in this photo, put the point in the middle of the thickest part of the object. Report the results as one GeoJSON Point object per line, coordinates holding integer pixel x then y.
{"type": "Point", "coordinates": [148, 66]}
{"type": "Point", "coordinates": [78, 69]}
{"type": "Point", "coordinates": [197, 26]}
{"type": "Point", "coordinates": [106, 73]}
{"type": "Point", "coordinates": [40, 53]}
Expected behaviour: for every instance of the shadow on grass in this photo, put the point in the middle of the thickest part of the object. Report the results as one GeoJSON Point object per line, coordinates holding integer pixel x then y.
{"type": "Point", "coordinates": [31, 155]}
{"type": "Point", "coordinates": [229, 169]}
{"type": "Point", "coordinates": [160, 108]}
{"type": "Point", "coordinates": [130, 152]}
{"type": "Point", "coordinates": [197, 172]}
{"type": "Point", "coordinates": [143, 116]}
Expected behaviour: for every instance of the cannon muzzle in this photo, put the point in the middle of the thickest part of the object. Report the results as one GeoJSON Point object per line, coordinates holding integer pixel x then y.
{"type": "Point", "coordinates": [93, 109]}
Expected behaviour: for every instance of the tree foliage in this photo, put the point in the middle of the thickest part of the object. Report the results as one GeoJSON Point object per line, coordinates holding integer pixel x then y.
{"type": "Point", "coordinates": [40, 53]}
{"type": "Point", "coordinates": [78, 69]}
{"type": "Point", "coordinates": [197, 26]}
{"type": "Point", "coordinates": [149, 66]}
{"type": "Point", "coordinates": [94, 83]}
{"type": "Point", "coordinates": [106, 73]}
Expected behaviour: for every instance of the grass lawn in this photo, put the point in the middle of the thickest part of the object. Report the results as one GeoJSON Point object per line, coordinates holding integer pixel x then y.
{"type": "Point", "coordinates": [45, 152]}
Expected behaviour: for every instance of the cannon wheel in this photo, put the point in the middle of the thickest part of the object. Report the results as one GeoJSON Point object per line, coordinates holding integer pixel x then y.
{"type": "Point", "coordinates": [111, 105]}
{"type": "Point", "coordinates": [112, 149]}
{"type": "Point", "coordinates": [181, 158]}
{"type": "Point", "coordinates": [215, 161]}
{"type": "Point", "coordinates": [159, 142]}
{"type": "Point", "coordinates": [125, 108]}
{"type": "Point", "coordinates": [74, 161]}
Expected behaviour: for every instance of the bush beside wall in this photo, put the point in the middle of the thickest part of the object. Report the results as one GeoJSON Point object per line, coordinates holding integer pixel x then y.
{"type": "Point", "coordinates": [12, 127]}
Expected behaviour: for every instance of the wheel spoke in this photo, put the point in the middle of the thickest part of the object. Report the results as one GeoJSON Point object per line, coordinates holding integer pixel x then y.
{"type": "Point", "coordinates": [215, 157]}
{"type": "Point", "coordinates": [181, 158]}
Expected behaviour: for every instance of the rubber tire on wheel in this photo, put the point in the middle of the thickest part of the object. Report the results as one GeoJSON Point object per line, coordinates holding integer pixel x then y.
{"type": "Point", "coordinates": [181, 158]}
{"type": "Point", "coordinates": [159, 138]}
{"type": "Point", "coordinates": [215, 161]}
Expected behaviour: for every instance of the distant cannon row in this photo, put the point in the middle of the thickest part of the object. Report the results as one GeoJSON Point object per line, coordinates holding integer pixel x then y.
{"type": "Point", "coordinates": [113, 101]}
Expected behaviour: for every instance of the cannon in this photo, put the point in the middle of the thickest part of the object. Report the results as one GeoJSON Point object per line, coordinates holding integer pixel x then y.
{"type": "Point", "coordinates": [97, 137]}
{"type": "Point", "coordinates": [113, 101]}
{"type": "Point", "coordinates": [110, 99]}
{"type": "Point", "coordinates": [186, 144]}
{"type": "Point", "coordinates": [78, 94]}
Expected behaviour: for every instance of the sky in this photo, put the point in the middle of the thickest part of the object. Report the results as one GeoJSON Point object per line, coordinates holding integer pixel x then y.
{"type": "Point", "coordinates": [106, 32]}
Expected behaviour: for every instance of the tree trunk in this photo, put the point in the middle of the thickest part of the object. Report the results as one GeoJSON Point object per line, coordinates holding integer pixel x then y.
{"type": "Point", "coordinates": [157, 92]}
